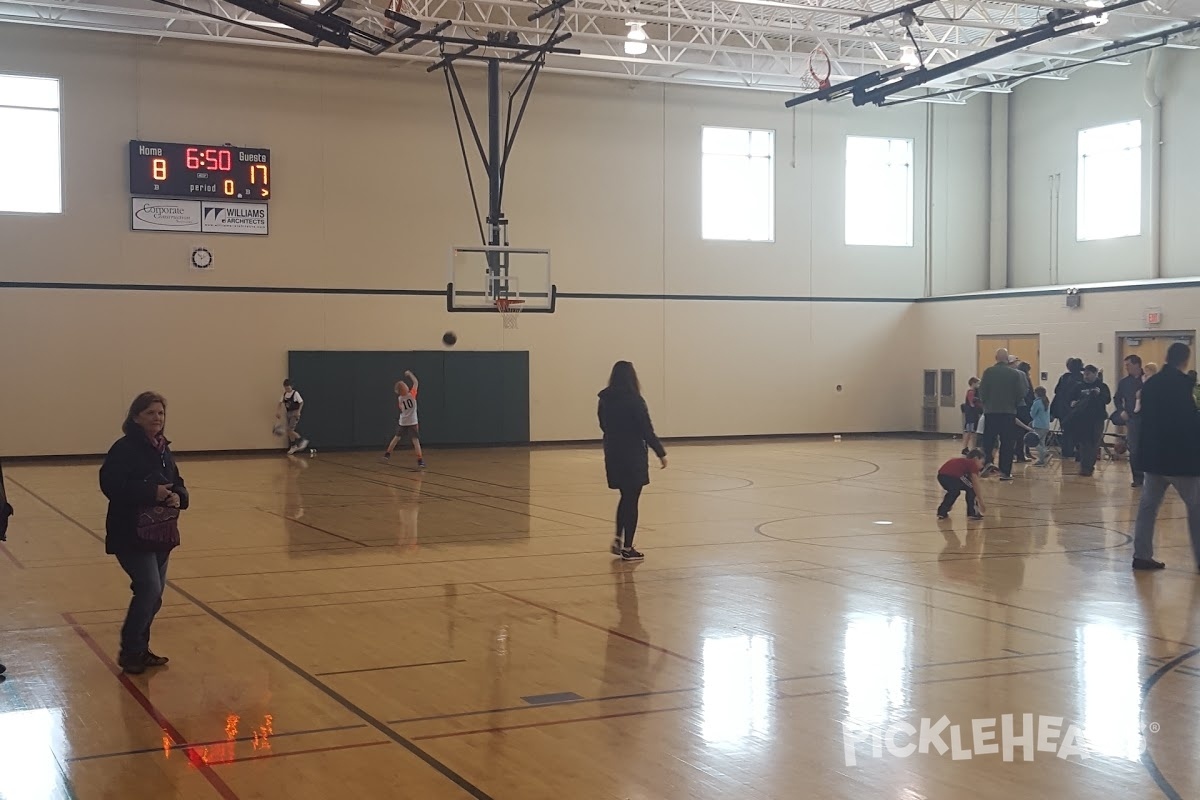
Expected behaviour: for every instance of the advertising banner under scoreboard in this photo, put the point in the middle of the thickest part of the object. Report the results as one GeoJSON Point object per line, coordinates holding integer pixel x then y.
{"type": "Point", "coordinates": [151, 214]}
{"type": "Point", "coordinates": [245, 218]}
{"type": "Point", "coordinates": [198, 216]}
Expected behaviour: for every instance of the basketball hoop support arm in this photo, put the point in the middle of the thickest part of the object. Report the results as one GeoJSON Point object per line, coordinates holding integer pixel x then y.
{"type": "Point", "coordinates": [502, 126]}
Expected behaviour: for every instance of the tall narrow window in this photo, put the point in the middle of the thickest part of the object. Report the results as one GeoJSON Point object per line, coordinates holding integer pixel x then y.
{"type": "Point", "coordinates": [879, 191]}
{"type": "Point", "coordinates": [738, 184]}
{"type": "Point", "coordinates": [1110, 181]}
{"type": "Point", "coordinates": [31, 174]}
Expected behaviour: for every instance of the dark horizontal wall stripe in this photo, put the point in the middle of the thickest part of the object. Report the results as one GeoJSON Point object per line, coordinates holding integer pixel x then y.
{"type": "Point", "coordinates": [728, 298]}
{"type": "Point", "coordinates": [1182, 283]}
{"type": "Point", "coordinates": [146, 287]}
{"type": "Point", "coordinates": [150, 287]}
{"type": "Point", "coordinates": [720, 298]}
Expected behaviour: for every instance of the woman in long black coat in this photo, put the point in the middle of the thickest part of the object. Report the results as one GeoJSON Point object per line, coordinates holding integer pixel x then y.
{"type": "Point", "coordinates": [145, 493]}
{"type": "Point", "coordinates": [628, 434]}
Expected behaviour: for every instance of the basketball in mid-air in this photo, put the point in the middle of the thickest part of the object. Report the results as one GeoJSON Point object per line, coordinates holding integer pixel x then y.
{"type": "Point", "coordinates": [449, 338]}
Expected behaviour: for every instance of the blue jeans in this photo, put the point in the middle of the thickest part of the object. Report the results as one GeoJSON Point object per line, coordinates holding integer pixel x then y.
{"type": "Point", "coordinates": [148, 573]}
{"type": "Point", "coordinates": [1041, 445]}
{"type": "Point", "coordinates": [1153, 491]}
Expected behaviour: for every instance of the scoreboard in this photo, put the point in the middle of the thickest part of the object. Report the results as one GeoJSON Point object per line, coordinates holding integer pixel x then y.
{"type": "Point", "coordinates": [199, 171]}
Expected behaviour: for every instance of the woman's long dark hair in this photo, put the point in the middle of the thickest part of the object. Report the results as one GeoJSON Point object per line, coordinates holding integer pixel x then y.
{"type": "Point", "coordinates": [140, 404]}
{"type": "Point", "coordinates": [624, 378]}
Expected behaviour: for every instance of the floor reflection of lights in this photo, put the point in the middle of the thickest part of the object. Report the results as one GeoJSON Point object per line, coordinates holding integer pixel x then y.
{"type": "Point", "coordinates": [737, 689]}
{"type": "Point", "coordinates": [877, 661]}
{"type": "Point", "coordinates": [28, 769]}
{"type": "Point", "coordinates": [1111, 684]}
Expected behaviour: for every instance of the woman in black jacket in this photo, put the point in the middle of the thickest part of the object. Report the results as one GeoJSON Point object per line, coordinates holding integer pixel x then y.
{"type": "Point", "coordinates": [625, 421]}
{"type": "Point", "coordinates": [145, 495]}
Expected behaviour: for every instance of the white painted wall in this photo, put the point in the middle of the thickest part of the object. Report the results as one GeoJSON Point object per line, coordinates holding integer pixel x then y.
{"type": "Point", "coordinates": [370, 193]}
{"type": "Point", "coordinates": [1046, 117]}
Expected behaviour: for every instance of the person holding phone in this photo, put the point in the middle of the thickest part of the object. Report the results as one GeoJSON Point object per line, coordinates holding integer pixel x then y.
{"type": "Point", "coordinates": [145, 495]}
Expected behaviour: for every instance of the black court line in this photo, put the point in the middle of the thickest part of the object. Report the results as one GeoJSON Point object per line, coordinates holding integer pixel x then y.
{"type": "Point", "coordinates": [397, 666]}
{"type": "Point", "coordinates": [1147, 759]}
{"type": "Point", "coordinates": [158, 749]}
{"type": "Point", "coordinates": [660, 692]}
{"type": "Point", "coordinates": [379, 725]}
{"type": "Point", "coordinates": [987, 601]}
{"type": "Point", "coordinates": [316, 528]}
{"type": "Point", "coordinates": [932, 606]}
{"type": "Point", "coordinates": [444, 770]}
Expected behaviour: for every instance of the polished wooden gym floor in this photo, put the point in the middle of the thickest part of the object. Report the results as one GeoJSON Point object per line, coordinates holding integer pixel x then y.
{"type": "Point", "coordinates": [340, 628]}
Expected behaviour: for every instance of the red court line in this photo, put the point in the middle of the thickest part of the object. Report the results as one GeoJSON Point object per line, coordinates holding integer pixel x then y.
{"type": "Point", "coordinates": [299, 753]}
{"type": "Point", "coordinates": [590, 624]}
{"type": "Point", "coordinates": [4, 549]}
{"type": "Point", "coordinates": [142, 700]}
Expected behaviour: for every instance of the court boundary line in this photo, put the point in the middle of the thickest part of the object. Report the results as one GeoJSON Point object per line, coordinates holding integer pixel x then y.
{"type": "Point", "coordinates": [396, 666]}
{"type": "Point", "coordinates": [1164, 785]}
{"type": "Point", "coordinates": [294, 668]}
{"type": "Point", "coordinates": [249, 738]}
{"type": "Point", "coordinates": [692, 706]}
{"type": "Point", "coordinates": [16, 561]}
{"type": "Point", "coordinates": [590, 624]}
{"type": "Point", "coordinates": [928, 588]}
{"type": "Point", "coordinates": [214, 780]}
{"type": "Point", "coordinates": [660, 692]}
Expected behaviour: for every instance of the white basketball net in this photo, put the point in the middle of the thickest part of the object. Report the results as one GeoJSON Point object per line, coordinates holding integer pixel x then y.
{"type": "Point", "coordinates": [510, 311]}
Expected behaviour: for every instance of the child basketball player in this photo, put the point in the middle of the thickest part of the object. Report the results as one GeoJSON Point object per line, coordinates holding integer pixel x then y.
{"type": "Point", "coordinates": [406, 401]}
{"type": "Point", "coordinates": [291, 404]}
{"type": "Point", "coordinates": [960, 475]}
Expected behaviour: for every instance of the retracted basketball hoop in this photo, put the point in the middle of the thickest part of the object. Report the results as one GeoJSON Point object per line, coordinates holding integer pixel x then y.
{"type": "Point", "coordinates": [822, 82]}
{"type": "Point", "coordinates": [510, 310]}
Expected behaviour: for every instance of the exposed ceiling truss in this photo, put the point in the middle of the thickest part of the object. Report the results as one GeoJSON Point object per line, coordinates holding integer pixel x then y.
{"type": "Point", "coordinates": [755, 44]}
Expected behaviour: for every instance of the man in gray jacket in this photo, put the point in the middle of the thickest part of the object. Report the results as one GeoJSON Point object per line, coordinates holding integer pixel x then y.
{"type": "Point", "coordinates": [1001, 389]}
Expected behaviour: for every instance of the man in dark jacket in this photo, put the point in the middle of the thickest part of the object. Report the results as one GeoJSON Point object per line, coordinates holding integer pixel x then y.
{"type": "Point", "coordinates": [1001, 389]}
{"type": "Point", "coordinates": [1169, 454]}
{"type": "Point", "coordinates": [1060, 405]}
{"type": "Point", "coordinates": [1125, 415]}
{"type": "Point", "coordinates": [1088, 409]}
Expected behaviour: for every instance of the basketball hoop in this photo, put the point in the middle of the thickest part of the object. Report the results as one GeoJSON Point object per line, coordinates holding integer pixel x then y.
{"type": "Point", "coordinates": [822, 83]}
{"type": "Point", "coordinates": [510, 310]}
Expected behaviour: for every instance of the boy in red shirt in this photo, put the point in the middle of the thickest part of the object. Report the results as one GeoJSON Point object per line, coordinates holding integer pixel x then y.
{"type": "Point", "coordinates": [960, 475]}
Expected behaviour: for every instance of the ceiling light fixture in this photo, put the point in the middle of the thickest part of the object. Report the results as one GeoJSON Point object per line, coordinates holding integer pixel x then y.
{"type": "Point", "coordinates": [311, 3]}
{"type": "Point", "coordinates": [909, 58]}
{"type": "Point", "coordinates": [635, 41]}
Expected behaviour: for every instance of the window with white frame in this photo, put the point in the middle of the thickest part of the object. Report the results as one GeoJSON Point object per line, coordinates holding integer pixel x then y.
{"type": "Point", "coordinates": [1110, 181]}
{"type": "Point", "coordinates": [31, 181]}
{"type": "Point", "coordinates": [738, 184]}
{"type": "Point", "coordinates": [879, 191]}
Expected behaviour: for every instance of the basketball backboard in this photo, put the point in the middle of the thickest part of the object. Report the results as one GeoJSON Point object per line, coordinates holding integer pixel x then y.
{"type": "Point", "coordinates": [480, 276]}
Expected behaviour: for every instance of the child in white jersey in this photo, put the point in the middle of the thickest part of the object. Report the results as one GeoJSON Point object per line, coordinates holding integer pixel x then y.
{"type": "Point", "coordinates": [291, 405]}
{"type": "Point", "coordinates": [406, 401]}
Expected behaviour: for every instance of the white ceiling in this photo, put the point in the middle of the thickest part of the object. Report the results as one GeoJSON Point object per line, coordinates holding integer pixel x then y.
{"type": "Point", "coordinates": [755, 44]}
